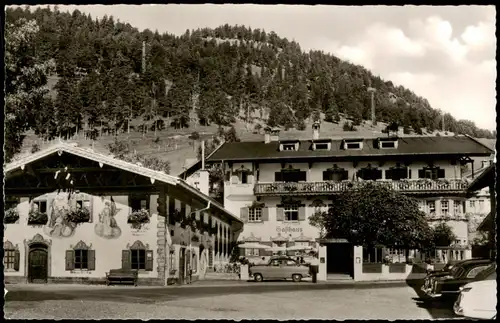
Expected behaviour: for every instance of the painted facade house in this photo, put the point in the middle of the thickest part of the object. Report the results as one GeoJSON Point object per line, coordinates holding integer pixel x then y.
{"type": "Point", "coordinates": [277, 184]}
{"type": "Point", "coordinates": [71, 215]}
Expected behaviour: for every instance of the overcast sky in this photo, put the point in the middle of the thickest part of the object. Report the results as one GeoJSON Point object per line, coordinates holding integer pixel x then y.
{"type": "Point", "coordinates": [444, 54]}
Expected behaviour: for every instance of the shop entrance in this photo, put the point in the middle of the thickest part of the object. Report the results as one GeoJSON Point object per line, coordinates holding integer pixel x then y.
{"type": "Point", "coordinates": [339, 258]}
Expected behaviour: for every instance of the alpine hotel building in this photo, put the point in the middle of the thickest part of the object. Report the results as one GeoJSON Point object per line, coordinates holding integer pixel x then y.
{"type": "Point", "coordinates": [275, 185]}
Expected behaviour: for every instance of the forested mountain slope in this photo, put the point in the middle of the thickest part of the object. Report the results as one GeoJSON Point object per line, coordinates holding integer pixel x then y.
{"type": "Point", "coordinates": [102, 84]}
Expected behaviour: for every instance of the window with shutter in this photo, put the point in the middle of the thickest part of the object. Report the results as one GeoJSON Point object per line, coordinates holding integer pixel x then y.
{"type": "Point", "coordinates": [421, 173]}
{"type": "Point", "coordinates": [9, 259]}
{"type": "Point", "coordinates": [326, 175]}
{"type": "Point", "coordinates": [91, 260]}
{"type": "Point", "coordinates": [440, 173]}
{"type": "Point", "coordinates": [81, 259]}
{"type": "Point", "coordinates": [244, 214]}
{"type": "Point", "coordinates": [278, 177]}
{"type": "Point", "coordinates": [139, 202]}
{"type": "Point", "coordinates": [17, 259]}
{"type": "Point", "coordinates": [279, 214]}
{"type": "Point", "coordinates": [265, 214]}
{"type": "Point", "coordinates": [149, 260]}
{"type": "Point", "coordinates": [126, 259]}
{"type": "Point", "coordinates": [70, 259]}
{"type": "Point", "coordinates": [255, 214]}
{"type": "Point", "coordinates": [302, 213]}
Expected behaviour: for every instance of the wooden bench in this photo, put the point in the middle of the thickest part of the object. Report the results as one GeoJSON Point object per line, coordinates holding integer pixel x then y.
{"type": "Point", "coordinates": [121, 276]}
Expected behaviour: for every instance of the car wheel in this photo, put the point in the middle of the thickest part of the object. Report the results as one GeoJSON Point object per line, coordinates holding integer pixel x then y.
{"type": "Point", "coordinates": [296, 278]}
{"type": "Point", "coordinates": [258, 277]}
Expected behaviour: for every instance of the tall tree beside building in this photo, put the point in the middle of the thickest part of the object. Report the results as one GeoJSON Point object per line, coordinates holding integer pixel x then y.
{"type": "Point", "coordinates": [26, 93]}
{"type": "Point", "coordinates": [370, 214]}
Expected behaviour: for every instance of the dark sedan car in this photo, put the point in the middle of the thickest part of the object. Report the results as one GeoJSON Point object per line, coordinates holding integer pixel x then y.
{"type": "Point", "coordinates": [449, 285]}
{"type": "Point", "coordinates": [448, 269]}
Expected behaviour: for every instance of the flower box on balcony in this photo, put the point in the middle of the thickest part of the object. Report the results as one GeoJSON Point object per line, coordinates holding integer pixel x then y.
{"type": "Point", "coordinates": [397, 268]}
{"type": "Point", "coordinates": [372, 268]}
{"type": "Point", "coordinates": [138, 218]}
{"type": "Point", "coordinates": [37, 218]}
{"type": "Point", "coordinates": [11, 216]}
{"type": "Point", "coordinates": [79, 216]}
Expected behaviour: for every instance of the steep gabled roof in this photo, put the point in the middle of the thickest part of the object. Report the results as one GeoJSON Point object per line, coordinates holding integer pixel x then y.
{"type": "Point", "coordinates": [407, 146]}
{"type": "Point", "coordinates": [120, 164]}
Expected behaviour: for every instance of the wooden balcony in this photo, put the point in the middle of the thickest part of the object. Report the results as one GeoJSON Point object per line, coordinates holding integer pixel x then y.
{"type": "Point", "coordinates": [417, 186]}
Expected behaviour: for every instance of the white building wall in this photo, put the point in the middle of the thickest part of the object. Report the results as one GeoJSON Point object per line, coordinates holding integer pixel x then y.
{"type": "Point", "coordinates": [108, 250]}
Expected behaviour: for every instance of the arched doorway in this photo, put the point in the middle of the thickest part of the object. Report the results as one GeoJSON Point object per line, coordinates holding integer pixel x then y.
{"type": "Point", "coordinates": [38, 263]}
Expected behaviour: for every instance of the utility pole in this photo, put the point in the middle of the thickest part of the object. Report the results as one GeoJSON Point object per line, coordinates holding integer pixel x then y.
{"type": "Point", "coordinates": [442, 121]}
{"type": "Point", "coordinates": [372, 100]}
{"type": "Point", "coordinates": [154, 107]}
{"type": "Point", "coordinates": [143, 57]}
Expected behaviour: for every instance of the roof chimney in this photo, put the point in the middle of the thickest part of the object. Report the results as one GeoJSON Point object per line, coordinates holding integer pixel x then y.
{"type": "Point", "coordinates": [315, 127]}
{"type": "Point", "coordinates": [267, 135]}
{"type": "Point", "coordinates": [271, 134]}
{"type": "Point", "coordinates": [275, 134]}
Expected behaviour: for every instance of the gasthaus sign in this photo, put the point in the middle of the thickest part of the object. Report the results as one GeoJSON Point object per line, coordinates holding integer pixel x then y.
{"type": "Point", "coordinates": [288, 229]}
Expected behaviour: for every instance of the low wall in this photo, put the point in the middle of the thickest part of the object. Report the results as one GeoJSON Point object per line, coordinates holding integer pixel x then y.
{"type": "Point", "coordinates": [383, 272]}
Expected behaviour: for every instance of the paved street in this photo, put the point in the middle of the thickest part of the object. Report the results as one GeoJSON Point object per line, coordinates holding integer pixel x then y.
{"type": "Point", "coordinates": [278, 300]}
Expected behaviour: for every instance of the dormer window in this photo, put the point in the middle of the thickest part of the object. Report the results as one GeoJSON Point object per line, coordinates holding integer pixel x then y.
{"type": "Point", "coordinates": [289, 145]}
{"type": "Point", "coordinates": [353, 144]}
{"type": "Point", "coordinates": [387, 143]}
{"type": "Point", "coordinates": [321, 144]}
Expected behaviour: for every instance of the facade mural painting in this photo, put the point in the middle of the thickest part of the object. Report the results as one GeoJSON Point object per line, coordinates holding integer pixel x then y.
{"type": "Point", "coordinates": [107, 227]}
{"type": "Point", "coordinates": [59, 225]}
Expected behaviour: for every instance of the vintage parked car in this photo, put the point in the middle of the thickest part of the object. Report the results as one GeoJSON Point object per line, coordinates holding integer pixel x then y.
{"type": "Point", "coordinates": [280, 268]}
{"type": "Point", "coordinates": [478, 299]}
{"type": "Point", "coordinates": [449, 269]}
{"type": "Point", "coordinates": [449, 285]}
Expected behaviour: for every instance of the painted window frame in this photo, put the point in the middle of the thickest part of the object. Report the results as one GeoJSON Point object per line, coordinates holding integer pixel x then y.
{"type": "Point", "coordinates": [77, 252]}
{"type": "Point", "coordinates": [138, 248]}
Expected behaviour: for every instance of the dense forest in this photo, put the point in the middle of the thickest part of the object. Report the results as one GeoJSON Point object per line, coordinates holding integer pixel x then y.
{"type": "Point", "coordinates": [106, 84]}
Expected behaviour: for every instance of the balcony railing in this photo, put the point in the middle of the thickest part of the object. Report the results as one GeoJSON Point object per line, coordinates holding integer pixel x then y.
{"type": "Point", "coordinates": [316, 188]}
